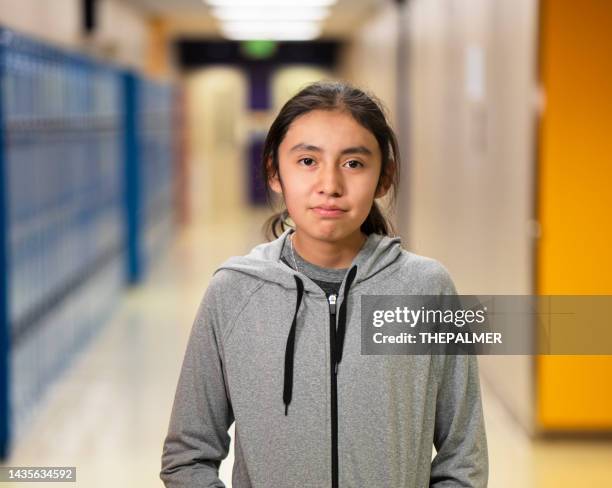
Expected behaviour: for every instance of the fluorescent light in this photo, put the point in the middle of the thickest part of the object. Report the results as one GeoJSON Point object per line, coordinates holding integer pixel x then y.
{"type": "Point", "coordinates": [271, 30]}
{"type": "Point", "coordinates": [267, 36]}
{"type": "Point", "coordinates": [265, 3]}
{"type": "Point", "coordinates": [294, 25]}
{"type": "Point", "coordinates": [230, 14]}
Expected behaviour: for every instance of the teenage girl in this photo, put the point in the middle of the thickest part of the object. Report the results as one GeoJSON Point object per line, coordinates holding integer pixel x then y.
{"type": "Point", "coordinates": [276, 343]}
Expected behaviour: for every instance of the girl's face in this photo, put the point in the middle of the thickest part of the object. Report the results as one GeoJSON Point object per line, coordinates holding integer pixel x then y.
{"type": "Point", "coordinates": [327, 159]}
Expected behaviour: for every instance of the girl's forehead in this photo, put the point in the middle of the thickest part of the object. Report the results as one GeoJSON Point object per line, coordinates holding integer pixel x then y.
{"type": "Point", "coordinates": [325, 128]}
{"type": "Point", "coordinates": [318, 118]}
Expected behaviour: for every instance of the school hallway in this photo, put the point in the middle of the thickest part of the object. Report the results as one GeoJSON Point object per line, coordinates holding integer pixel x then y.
{"type": "Point", "coordinates": [131, 142]}
{"type": "Point", "coordinates": [108, 416]}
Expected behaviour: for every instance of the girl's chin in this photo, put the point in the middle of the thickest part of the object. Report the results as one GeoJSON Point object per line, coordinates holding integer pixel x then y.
{"type": "Point", "coordinates": [328, 231]}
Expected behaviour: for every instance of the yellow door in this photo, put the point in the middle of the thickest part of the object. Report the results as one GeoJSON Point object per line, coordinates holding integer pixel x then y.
{"type": "Point", "coordinates": [575, 199]}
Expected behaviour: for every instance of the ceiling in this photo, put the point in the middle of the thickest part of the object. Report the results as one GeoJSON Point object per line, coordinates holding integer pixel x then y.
{"type": "Point", "coordinates": [191, 17]}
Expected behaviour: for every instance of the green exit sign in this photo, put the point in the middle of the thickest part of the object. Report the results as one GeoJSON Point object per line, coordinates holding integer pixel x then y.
{"type": "Point", "coordinates": [259, 49]}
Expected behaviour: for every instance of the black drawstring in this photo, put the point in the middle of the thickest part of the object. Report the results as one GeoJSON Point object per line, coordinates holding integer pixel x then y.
{"type": "Point", "coordinates": [289, 351]}
{"type": "Point", "coordinates": [342, 316]}
{"type": "Point", "coordinates": [290, 347]}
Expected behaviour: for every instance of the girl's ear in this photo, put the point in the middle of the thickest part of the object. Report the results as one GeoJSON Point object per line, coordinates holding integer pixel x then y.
{"type": "Point", "coordinates": [385, 181]}
{"type": "Point", "coordinates": [273, 181]}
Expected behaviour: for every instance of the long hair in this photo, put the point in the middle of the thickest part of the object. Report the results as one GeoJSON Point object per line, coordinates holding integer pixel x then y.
{"type": "Point", "coordinates": [367, 110]}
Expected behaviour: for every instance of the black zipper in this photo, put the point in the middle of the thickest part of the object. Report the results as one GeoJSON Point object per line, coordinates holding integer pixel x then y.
{"type": "Point", "coordinates": [334, 390]}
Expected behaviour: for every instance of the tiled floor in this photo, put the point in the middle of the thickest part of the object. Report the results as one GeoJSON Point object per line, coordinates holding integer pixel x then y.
{"type": "Point", "coordinates": [109, 414]}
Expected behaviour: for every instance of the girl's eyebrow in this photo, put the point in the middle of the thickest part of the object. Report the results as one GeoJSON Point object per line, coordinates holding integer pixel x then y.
{"type": "Point", "coordinates": [349, 150]}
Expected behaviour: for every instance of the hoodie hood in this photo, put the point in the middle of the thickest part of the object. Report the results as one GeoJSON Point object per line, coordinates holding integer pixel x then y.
{"type": "Point", "coordinates": [263, 262]}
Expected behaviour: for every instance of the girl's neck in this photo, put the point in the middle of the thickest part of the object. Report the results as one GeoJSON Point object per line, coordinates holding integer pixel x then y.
{"type": "Point", "coordinates": [334, 255]}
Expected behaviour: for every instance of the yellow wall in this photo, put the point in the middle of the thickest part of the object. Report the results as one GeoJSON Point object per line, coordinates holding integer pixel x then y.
{"type": "Point", "coordinates": [575, 199]}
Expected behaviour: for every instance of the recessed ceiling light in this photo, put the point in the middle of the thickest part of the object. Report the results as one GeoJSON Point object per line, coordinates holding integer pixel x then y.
{"type": "Point", "coordinates": [270, 14]}
{"type": "Point", "coordinates": [264, 3]}
{"type": "Point", "coordinates": [272, 31]}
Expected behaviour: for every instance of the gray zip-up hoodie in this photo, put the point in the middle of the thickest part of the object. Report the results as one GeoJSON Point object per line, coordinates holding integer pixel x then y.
{"type": "Point", "coordinates": [270, 352]}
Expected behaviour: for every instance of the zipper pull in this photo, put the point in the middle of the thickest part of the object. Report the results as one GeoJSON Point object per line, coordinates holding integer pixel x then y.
{"type": "Point", "coordinates": [332, 304]}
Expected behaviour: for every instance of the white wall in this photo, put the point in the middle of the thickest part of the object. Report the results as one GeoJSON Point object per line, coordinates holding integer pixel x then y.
{"type": "Point", "coordinates": [369, 58]}
{"type": "Point", "coordinates": [122, 32]}
{"type": "Point", "coordinates": [216, 124]}
{"type": "Point", "coordinates": [56, 21]}
{"type": "Point", "coordinates": [473, 85]}
{"type": "Point", "coordinates": [472, 89]}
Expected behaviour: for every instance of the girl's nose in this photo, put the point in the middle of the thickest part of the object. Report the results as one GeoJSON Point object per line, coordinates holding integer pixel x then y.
{"type": "Point", "coordinates": [331, 181]}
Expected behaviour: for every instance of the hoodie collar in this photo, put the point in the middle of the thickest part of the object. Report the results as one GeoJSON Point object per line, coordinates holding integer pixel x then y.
{"type": "Point", "coordinates": [264, 261]}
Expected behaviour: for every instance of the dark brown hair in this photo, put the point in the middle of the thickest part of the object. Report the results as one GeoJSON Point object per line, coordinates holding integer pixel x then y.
{"type": "Point", "coordinates": [367, 110]}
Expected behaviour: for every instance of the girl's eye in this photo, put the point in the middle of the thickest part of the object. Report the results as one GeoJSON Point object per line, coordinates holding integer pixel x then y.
{"type": "Point", "coordinates": [355, 161]}
{"type": "Point", "coordinates": [306, 159]}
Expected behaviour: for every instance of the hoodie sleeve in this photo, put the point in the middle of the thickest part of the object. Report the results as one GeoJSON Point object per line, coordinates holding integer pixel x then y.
{"type": "Point", "coordinates": [459, 434]}
{"type": "Point", "coordinates": [197, 439]}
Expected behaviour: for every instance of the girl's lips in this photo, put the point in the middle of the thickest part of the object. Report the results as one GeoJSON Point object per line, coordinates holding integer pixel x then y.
{"type": "Point", "coordinates": [327, 212]}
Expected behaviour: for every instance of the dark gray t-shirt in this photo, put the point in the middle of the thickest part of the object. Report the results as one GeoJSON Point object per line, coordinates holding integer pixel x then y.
{"type": "Point", "coordinates": [328, 279]}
